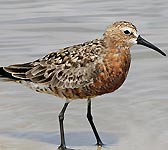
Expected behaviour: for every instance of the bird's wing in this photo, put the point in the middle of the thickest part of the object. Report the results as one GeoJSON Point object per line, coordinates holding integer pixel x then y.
{"type": "Point", "coordinates": [61, 76]}
{"type": "Point", "coordinates": [71, 67]}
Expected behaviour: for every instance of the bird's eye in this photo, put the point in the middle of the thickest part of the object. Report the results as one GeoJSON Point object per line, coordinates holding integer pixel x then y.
{"type": "Point", "coordinates": [127, 32]}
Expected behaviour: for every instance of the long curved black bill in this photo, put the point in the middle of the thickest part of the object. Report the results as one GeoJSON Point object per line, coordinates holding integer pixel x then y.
{"type": "Point", "coordinates": [142, 41]}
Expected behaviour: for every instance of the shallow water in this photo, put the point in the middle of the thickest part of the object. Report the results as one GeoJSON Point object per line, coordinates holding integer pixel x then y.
{"type": "Point", "coordinates": [133, 118]}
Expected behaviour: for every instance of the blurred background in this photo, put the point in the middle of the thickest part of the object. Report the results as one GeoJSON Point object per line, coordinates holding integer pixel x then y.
{"type": "Point", "coordinates": [135, 117]}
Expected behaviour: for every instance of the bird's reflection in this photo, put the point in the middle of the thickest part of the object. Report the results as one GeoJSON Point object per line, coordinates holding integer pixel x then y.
{"type": "Point", "coordinates": [99, 148]}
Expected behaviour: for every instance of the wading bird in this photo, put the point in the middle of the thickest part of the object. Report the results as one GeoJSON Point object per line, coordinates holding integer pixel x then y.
{"type": "Point", "coordinates": [82, 71]}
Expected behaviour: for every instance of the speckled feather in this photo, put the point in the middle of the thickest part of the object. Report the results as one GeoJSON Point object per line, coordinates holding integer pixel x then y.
{"type": "Point", "coordinates": [81, 71]}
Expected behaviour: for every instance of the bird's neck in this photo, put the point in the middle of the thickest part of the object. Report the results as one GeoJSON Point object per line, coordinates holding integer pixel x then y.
{"type": "Point", "coordinates": [116, 44]}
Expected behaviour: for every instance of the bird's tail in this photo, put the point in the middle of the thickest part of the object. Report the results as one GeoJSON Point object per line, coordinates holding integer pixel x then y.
{"type": "Point", "coordinates": [4, 74]}
{"type": "Point", "coordinates": [15, 72]}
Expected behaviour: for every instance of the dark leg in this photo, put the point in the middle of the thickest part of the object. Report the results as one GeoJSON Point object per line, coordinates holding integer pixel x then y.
{"type": "Point", "coordinates": [90, 118]}
{"type": "Point", "coordinates": [61, 119]}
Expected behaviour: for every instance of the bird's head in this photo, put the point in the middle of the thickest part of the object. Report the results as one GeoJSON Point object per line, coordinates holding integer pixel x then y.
{"type": "Point", "coordinates": [124, 34]}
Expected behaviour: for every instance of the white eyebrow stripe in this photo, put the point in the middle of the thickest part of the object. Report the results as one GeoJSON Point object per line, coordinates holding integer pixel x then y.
{"type": "Point", "coordinates": [130, 30]}
{"type": "Point", "coordinates": [127, 28]}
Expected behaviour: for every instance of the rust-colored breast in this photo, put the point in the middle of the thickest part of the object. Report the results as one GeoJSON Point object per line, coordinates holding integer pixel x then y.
{"type": "Point", "coordinates": [109, 75]}
{"type": "Point", "coordinates": [112, 73]}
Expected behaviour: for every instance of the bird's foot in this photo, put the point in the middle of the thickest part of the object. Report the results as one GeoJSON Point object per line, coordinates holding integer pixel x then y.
{"type": "Point", "coordinates": [100, 144]}
{"type": "Point", "coordinates": [64, 148]}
